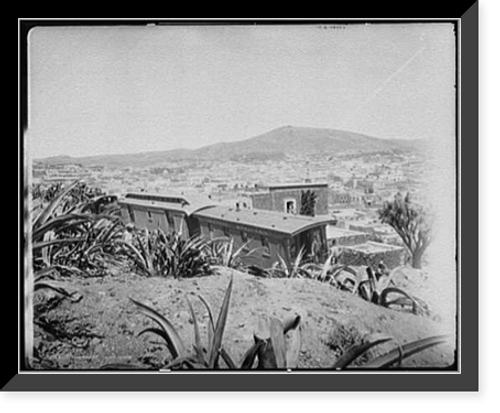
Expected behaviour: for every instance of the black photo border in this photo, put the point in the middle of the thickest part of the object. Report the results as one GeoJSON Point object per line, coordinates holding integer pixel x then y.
{"type": "Point", "coordinates": [467, 377]}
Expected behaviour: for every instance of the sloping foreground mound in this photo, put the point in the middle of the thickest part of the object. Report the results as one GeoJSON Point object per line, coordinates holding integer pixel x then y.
{"type": "Point", "coordinates": [101, 328]}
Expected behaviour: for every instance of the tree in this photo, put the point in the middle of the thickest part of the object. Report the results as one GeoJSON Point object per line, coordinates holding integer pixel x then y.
{"type": "Point", "coordinates": [411, 222]}
{"type": "Point", "coordinates": [308, 203]}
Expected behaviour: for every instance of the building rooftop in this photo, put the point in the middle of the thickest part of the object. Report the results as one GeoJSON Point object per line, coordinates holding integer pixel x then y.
{"type": "Point", "coordinates": [336, 232]}
{"type": "Point", "coordinates": [371, 247]}
{"type": "Point", "coordinates": [296, 185]}
{"type": "Point", "coordinates": [268, 220]}
{"type": "Point", "coordinates": [184, 207]}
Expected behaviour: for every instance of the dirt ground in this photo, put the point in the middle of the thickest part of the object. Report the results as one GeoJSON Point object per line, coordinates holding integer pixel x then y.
{"type": "Point", "coordinates": [100, 325]}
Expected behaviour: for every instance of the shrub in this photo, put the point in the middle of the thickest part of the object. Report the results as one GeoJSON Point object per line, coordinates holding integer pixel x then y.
{"type": "Point", "coordinates": [221, 251]}
{"type": "Point", "coordinates": [297, 268]}
{"type": "Point", "coordinates": [154, 253]}
{"type": "Point", "coordinates": [377, 289]}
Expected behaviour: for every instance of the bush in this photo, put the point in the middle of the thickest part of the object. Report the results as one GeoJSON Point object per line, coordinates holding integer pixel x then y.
{"type": "Point", "coordinates": [154, 253]}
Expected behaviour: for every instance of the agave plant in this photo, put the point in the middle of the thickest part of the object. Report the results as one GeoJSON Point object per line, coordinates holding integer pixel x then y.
{"type": "Point", "coordinates": [202, 357]}
{"type": "Point", "coordinates": [391, 358]}
{"type": "Point", "coordinates": [147, 251]}
{"type": "Point", "coordinates": [221, 251]}
{"type": "Point", "coordinates": [154, 253]}
{"type": "Point", "coordinates": [270, 351]}
{"type": "Point", "coordinates": [77, 241]}
{"type": "Point", "coordinates": [45, 280]}
{"type": "Point", "coordinates": [378, 289]}
{"type": "Point", "coordinates": [297, 268]}
{"type": "Point", "coordinates": [187, 258]}
{"type": "Point", "coordinates": [339, 275]}
{"type": "Point", "coordinates": [273, 352]}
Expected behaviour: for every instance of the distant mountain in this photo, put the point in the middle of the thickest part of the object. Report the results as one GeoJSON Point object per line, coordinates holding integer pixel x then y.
{"type": "Point", "coordinates": [275, 144]}
{"type": "Point", "coordinates": [294, 140]}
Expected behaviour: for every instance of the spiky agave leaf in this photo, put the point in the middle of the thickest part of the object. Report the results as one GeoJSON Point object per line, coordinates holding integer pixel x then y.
{"type": "Point", "coordinates": [61, 224]}
{"type": "Point", "coordinates": [383, 299]}
{"type": "Point", "coordinates": [358, 350]}
{"type": "Point", "coordinates": [198, 347]}
{"type": "Point", "coordinates": [296, 263]}
{"type": "Point", "coordinates": [45, 273]}
{"type": "Point", "coordinates": [111, 232]}
{"type": "Point", "coordinates": [71, 270]}
{"type": "Point", "coordinates": [266, 356]}
{"type": "Point", "coordinates": [58, 242]}
{"type": "Point", "coordinates": [177, 347]}
{"type": "Point", "coordinates": [278, 342]}
{"type": "Point", "coordinates": [211, 325]}
{"type": "Point", "coordinates": [291, 324]}
{"type": "Point", "coordinates": [408, 350]}
{"type": "Point", "coordinates": [162, 334]}
{"type": "Point", "coordinates": [179, 361]}
{"type": "Point", "coordinates": [313, 269]}
{"type": "Point", "coordinates": [284, 266]}
{"type": "Point", "coordinates": [227, 359]}
{"type": "Point", "coordinates": [326, 267]}
{"type": "Point", "coordinates": [364, 290]}
{"type": "Point", "coordinates": [47, 285]}
{"type": "Point", "coordinates": [48, 212]}
{"type": "Point", "coordinates": [135, 255]}
{"type": "Point", "coordinates": [145, 251]}
{"type": "Point", "coordinates": [250, 355]}
{"type": "Point", "coordinates": [343, 277]}
{"type": "Point", "coordinates": [293, 353]}
{"type": "Point", "coordinates": [219, 327]}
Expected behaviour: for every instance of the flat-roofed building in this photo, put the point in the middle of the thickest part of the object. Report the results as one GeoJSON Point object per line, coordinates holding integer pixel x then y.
{"type": "Point", "coordinates": [343, 237]}
{"type": "Point", "coordinates": [273, 234]}
{"type": "Point", "coordinates": [169, 213]}
{"type": "Point", "coordinates": [287, 197]}
{"type": "Point", "coordinates": [372, 253]}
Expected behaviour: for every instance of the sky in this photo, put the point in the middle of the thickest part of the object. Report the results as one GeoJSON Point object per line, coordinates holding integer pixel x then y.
{"type": "Point", "coordinates": [115, 90]}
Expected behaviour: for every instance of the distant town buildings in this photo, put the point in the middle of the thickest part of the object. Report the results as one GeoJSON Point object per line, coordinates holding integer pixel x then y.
{"type": "Point", "coordinates": [372, 253]}
{"type": "Point", "coordinates": [349, 188]}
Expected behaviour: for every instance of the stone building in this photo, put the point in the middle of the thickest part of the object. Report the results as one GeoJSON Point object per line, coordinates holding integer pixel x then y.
{"type": "Point", "coordinates": [287, 197]}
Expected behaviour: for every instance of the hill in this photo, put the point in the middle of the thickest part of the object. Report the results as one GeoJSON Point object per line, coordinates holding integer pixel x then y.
{"type": "Point", "coordinates": [275, 144]}
{"type": "Point", "coordinates": [294, 140]}
{"type": "Point", "coordinates": [331, 320]}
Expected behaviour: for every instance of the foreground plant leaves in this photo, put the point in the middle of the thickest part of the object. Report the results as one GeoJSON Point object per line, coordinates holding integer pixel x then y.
{"type": "Point", "coordinates": [357, 351]}
{"type": "Point", "coordinates": [174, 341]}
{"type": "Point", "coordinates": [271, 345]}
{"type": "Point", "coordinates": [408, 350]}
{"type": "Point", "coordinates": [293, 353]}
{"type": "Point", "coordinates": [278, 342]}
{"type": "Point", "coordinates": [219, 327]}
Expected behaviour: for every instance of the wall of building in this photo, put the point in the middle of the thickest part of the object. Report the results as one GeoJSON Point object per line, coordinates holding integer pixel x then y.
{"type": "Point", "coordinates": [275, 200]}
{"type": "Point", "coordinates": [262, 257]}
{"type": "Point", "coordinates": [154, 218]}
{"type": "Point", "coordinates": [391, 258]}
{"type": "Point", "coordinates": [262, 201]}
{"type": "Point", "coordinates": [348, 240]}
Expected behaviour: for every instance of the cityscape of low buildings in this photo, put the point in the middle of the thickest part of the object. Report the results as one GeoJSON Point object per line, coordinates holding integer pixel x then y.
{"type": "Point", "coordinates": [348, 188]}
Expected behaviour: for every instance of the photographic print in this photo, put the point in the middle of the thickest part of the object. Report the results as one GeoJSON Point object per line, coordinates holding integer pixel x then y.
{"type": "Point", "coordinates": [242, 196]}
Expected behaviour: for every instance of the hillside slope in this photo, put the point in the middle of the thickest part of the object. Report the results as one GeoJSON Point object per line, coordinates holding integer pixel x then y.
{"type": "Point", "coordinates": [331, 320]}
